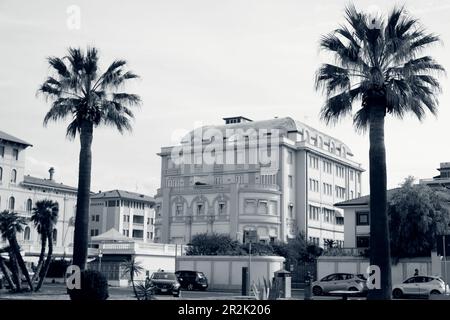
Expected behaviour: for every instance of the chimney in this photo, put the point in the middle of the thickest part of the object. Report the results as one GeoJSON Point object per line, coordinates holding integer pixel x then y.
{"type": "Point", "coordinates": [52, 172]}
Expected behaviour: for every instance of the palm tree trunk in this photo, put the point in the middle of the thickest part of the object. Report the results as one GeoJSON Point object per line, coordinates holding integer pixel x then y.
{"type": "Point", "coordinates": [80, 248]}
{"type": "Point", "coordinates": [379, 230]}
{"type": "Point", "coordinates": [41, 257]}
{"type": "Point", "coordinates": [16, 276]}
{"type": "Point", "coordinates": [134, 287]}
{"type": "Point", "coordinates": [46, 266]}
{"type": "Point", "coordinates": [6, 274]}
{"type": "Point", "coordinates": [16, 248]}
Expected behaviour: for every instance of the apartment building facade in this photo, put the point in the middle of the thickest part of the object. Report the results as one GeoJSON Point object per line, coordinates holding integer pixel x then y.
{"type": "Point", "coordinates": [130, 213]}
{"type": "Point", "coordinates": [293, 190]}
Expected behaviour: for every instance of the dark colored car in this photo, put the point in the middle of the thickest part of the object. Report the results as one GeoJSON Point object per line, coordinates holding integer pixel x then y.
{"type": "Point", "coordinates": [191, 280]}
{"type": "Point", "coordinates": [165, 282]}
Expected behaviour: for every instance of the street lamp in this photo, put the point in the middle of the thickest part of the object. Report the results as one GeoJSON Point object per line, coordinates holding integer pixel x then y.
{"type": "Point", "coordinates": [100, 255]}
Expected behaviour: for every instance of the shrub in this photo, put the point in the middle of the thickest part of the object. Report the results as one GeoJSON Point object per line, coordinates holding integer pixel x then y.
{"type": "Point", "coordinates": [94, 286]}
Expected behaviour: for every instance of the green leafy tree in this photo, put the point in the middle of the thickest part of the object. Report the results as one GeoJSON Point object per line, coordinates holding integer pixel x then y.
{"type": "Point", "coordinates": [11, 224]}
{"type": "Point", "coordinates": [204, 244]}
{"type": "Point", "coordinates": [378, 65]}
{"type": "Point", "coordinates": [90, 98]}
{"type": "Point", "coordinates": [44, 217]}
{"type": "Point", "coordinates": [417, 215]}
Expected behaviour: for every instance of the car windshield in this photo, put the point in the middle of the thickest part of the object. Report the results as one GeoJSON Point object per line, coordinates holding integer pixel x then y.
{"type": "Point", "coordinates": [164, 276]}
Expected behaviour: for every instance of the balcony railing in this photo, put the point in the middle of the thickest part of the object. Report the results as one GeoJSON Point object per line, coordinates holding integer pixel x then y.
{"type": "Point", "coordinates": [354, 252]}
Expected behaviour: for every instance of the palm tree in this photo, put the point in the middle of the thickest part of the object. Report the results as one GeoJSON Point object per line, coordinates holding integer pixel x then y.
{"type": "Point", "coordinates": [4, 269]}
{"type": "Point", "coordinates": [10, 224]}
{"type": "Point", "coordinates": [79, 90]}
{"type": "Point", "coordinates": [379, 63]}
{"type": "Point", "coordinates": [44, 217]}
{"type": "Point", "coordinates": [132, 268]}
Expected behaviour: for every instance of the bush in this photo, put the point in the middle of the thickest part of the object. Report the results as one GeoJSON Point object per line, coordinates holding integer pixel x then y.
{"type": "Point", "coordinates": [94, 286]}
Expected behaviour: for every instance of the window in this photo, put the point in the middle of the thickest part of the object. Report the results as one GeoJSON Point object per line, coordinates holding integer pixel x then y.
{"type": "Point", "coordinates": [362, 218]}
{"type": "Point", "coordinates": [222, 208]}
{"type": "Point", "coordinates": [124, 218]}
{"type": "Point", "coordinates": [327, 189]}
{"type": "Point", "coordinates": [359, 177]}
{"type": "Point", "coordinates": [313, 162]}
{"type": "Point", "coordinates": [29, 205]}
{"type": "Point", "coordinates": [200, 209]}
{"type": "Point", "coordinates": [13, 175]}
{"type": "Point", "coordinates": [1, 174]}
{"type": "Point", "coordinates": [313, 185]}
{"type": "Point", "coordinates": [362, 241]}
{"type": "Point", "coordinates": [289, 157]}
{"type": "Point", "coordinates": [262, 207]}
{"type": "Point", "coordinates": [2, 151]}
{"type": "Point", "coordinates": [291, 210]}
{"type": "Point", "coordinates": [328, 215]}
{"type": "Point", "coordinates": [218, 180]}
{"type": "Point", "coordinates": [138, 234]}
{"type": "Point", "coordinates": [55, 235]}
{"type": "Point", "coordinates": [340, 192]}
{"type": "Point", "coordinates": [97, 218]}
{"type": "Point", "coordinates": [93, 218]}
{"type": "Point", "coordinates": [111, 203]}
{"type": "Point", "coordinates": [148, 235]}
{"type": "Point", "coordinates": [290, 182]}
{"type": "Point", "coordinates": [340, 221]}
{"type": "Point", "coordinates": [26, 234]}
{"type": "Point", "coordinates": [138, 219]}
{"type": "Point", "coordinates": [351, 175]}
{"type": "Point", "coordinates": [12, 203]}
{"type": "Point", "coordinates": [340, 171]}
{"type": "Point", "coordinates": [93, 232]}
{"type": "Point", "coordinates": [16, 154]}
{"type": "Point", "coordinates": [179, 210]}
{"type": "Point", "coordinates": [314, 212]}
{"type": "Point", "coordinates": [250, 206]}
{"type": "Point", "coordinates": [327, 167]}
{"type": "Point", "coordinates": [239, 179]}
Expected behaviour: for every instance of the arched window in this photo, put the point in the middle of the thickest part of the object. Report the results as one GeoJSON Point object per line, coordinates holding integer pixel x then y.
{"type": "Point", "coordinates": [13, 175]}
{"type": "Point", "coordinates": [26, 234]}
{"type": "Point", "coordinates": [29, 205]}
{"type": "Point", "coordinates": [55, 235]}
{"type": "Point", "coordinates": [1, 174]}
{"type": "Point", "coordinates": [12, 203]}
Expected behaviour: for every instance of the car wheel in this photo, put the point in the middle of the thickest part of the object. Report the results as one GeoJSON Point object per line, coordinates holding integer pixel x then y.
{"type": "Point", "coordinates": [317, 291]}
{"type": "Point", "coordinates": [435, 292]}
{"type": "Point", "coordinates": [190, 287]}
{"type": "Point", "coordinates": [397, 293]}
{"type": "Point", "coordinates": [176, 295]}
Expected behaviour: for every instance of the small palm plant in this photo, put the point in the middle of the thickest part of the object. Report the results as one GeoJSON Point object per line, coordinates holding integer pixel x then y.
{"type": "Point", "coordinates": [266, 290]}
{"type": "Point", "coordinates": [145, 291]}
{"type": "Point", "coordinates": [44, 217]}
{"type": "Point", "coordinates": [132, 268]}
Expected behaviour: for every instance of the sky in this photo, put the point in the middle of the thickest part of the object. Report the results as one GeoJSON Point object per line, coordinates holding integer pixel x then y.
{"type": "Point", "coordinates": [199, 61]}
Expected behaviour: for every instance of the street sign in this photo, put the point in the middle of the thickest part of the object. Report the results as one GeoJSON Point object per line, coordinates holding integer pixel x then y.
{"type": "Point", "coordinates": [440, 245]}
{"type": "Point", "coordinates": [250, 236]}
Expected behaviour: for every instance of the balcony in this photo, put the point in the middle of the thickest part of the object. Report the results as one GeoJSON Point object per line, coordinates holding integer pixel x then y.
{"type": "Point", "coordinates": [172, 172]}
{"type": "Point", "coordinates": [260, 187]}
{"type": "Point", "coordinates": [140, 248]}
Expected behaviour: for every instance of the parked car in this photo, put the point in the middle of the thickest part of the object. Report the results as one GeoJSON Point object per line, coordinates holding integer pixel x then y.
{"type": "Point", "coordinates": [339, 281]}
{"type": "Point", "coordinates": [191, 280]}
{"type": "Point", "coordinates": [419, 286]}
{"type": "Point", "coordinates": [165, 282]}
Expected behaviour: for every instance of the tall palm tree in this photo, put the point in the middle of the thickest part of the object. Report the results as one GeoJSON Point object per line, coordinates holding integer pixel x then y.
{"type": "Point", "coordinates": [44, 217]}
{"type": "Point", "coordinates": [132, 268]}
{"type": "Point", "coordinates": [378, 62]}
{"type": "Point", "coordinates": [79, 90]}
{"type": "Point", "coordinates": [11, 224]}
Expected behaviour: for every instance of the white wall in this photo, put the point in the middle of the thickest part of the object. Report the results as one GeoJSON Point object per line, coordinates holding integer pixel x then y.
{"type": "Point", "coordinates": [225, 272]}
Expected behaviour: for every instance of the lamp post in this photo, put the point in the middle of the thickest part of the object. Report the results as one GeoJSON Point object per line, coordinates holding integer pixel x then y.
{"type": "Point", "coordinates": [100, 255]}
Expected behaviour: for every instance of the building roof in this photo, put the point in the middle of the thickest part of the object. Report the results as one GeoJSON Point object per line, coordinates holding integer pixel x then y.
{"type": "Point", "coordinates": [122, 194]}
{"type": "Point", "coordinates": [38, 182]}
{"type": "Point", "coordinates": [110, 235]}
{"type": "Point", "coordinates": [285, 125]}
{"type": "Point", "coordinates": [363, 201]}
{"type": "Point", "coordinates": [7, 137]}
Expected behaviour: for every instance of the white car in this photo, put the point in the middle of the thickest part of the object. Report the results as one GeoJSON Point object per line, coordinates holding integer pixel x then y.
{"type": "Point", "coordinates": [420, 286]}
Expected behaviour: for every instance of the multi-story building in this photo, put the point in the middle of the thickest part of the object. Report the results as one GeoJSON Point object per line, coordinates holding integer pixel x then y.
{"type": "Point", "coordinates": [19, 193]}
{"type": "Point", "coordinates": [441, 180]}
{"type": "Point", "coordinates": [130, 213]}
{"type": "Point", "coordinates": [278, 177]}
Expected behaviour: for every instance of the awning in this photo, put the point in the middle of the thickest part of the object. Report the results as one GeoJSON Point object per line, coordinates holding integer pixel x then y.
{"type": "Point", "coordinates": [111, 235]}
{"type": "Point", "coordinates": [338, 214]}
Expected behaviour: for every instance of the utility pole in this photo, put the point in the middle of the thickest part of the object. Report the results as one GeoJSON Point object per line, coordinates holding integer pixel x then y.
{"type": "Point", "coordinates": [445, 263]}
